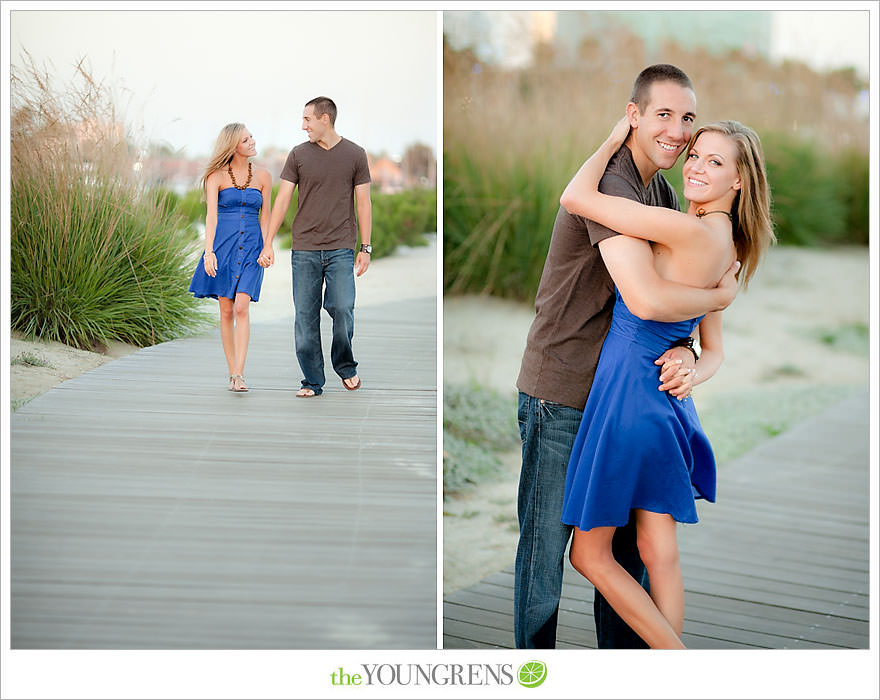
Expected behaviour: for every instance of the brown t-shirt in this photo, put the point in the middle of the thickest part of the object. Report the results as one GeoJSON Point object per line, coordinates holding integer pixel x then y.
{"type": "Point", "coordinates": [326, 178]}
{"type": "Point", "coordinates": [576, 294]}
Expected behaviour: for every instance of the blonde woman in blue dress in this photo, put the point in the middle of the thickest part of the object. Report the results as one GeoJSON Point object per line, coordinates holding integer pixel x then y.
{"type": "Point", "coordinates": [639, 449]}
{"type": "Point", "coordinates": [239, 198]}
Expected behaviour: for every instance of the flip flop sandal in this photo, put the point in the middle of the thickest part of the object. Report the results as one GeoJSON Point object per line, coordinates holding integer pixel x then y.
{"type": "Point", "coordinates": [352, 388]}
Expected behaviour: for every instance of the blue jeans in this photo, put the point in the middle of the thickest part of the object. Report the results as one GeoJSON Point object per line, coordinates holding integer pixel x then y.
{"type": "Point", "coordinates": [311, 270]}
{"type": "Point", "coordinates": [548, 430]}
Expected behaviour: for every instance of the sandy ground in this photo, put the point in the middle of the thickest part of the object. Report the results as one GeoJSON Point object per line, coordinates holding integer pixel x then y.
{"type": "Point", "coordinates": [409, 273]}
{"type": "Point", "coordinates": [771, 338]}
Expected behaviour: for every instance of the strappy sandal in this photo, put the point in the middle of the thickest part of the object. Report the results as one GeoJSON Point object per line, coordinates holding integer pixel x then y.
{"type": "Point", "coordinates": [237, 383]}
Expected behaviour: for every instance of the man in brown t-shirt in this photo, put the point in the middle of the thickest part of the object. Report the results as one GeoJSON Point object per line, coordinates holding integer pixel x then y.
{"type": "Point", "coordinates": [573, 313]}
{"type": "Point", "coordinates": [332, 174]}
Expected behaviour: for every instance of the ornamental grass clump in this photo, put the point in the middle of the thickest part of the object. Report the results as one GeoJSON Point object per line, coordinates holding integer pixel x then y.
{"type": "Point", "coordinates": [95, 255]}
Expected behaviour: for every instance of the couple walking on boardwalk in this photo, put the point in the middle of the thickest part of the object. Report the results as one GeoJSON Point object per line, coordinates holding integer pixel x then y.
{"type": "Point", "coordinates": [608, 461]}
{"type": "Point", "coordinates": [332, 174]}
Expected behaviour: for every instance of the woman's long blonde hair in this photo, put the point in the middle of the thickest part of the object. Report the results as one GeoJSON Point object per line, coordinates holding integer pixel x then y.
{"type": "Point", "coordinates": [224, 149]}
{"type": "Point", "coordinates": [752, 227]}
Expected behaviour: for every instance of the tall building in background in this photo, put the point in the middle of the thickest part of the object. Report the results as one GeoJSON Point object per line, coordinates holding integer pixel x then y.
{"type": "Point", "coordinates": [511, 38]}
{"type": "Point", "coordinates": [715, 31]}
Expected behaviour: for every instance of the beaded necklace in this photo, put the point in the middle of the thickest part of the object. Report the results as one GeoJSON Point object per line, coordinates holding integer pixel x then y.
{"type": "Point", "coordinates": [250, 173]}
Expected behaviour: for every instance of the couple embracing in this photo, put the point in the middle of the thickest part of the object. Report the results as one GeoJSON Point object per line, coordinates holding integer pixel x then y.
{"type": "Point", "coordinates": [241, 223]}
{"type": "Point", "coordinates": [613, 452]}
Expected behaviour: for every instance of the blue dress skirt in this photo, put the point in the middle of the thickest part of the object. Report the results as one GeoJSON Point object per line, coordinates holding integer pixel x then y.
{"type": "Point", "coordinates": [637, 447]}
{"type": "Point", "coordinates": [238, 242]}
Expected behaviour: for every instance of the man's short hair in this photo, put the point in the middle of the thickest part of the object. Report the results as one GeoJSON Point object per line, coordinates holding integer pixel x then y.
{"type": "Point", "coordinates": [654, 74]}
{"type": "Point", "coordinates": [322, 106]}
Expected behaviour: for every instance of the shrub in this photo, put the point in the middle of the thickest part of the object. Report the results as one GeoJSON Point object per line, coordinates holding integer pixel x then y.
{"type": "Point", "coordinates": [95, 254]}
{"type": "Point", "coordinates": [477, 422]}
{"type": "Point", "coordinates": [852, 174]}
{"type": "Point", "coordinates": [30, 359]}
{"type": "Point", "coordinates": [401, 219]}
{"type": "Point", "coordinates": [807, 204]}
{"type": "Point", "coordinates": [497, 219]}
{"type": "Point", "coordinates": [192, 207]}
{"type": "Point", "coordinates": [466, 464]}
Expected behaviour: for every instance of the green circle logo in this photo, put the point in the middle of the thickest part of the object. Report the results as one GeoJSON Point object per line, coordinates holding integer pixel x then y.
{"type": "Point", "coordinates": [532, 673]}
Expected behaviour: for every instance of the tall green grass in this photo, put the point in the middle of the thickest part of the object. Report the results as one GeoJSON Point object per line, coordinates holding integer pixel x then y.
{"type": "Point", "coordinates": [497, 220]}
{"type": "Point", "coordinates": [95, 255]}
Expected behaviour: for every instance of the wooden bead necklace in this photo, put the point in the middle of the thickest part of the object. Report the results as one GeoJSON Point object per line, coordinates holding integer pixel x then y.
{"type": "Point", "coordinates": [232, 175]}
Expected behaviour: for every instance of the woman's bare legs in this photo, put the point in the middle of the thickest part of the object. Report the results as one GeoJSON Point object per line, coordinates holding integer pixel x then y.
{"type": "Point", "coordinates": [227, 334]}
{"type": "Point", "coordinates": [241, 309]}
{"type": "Point", "coordinates": [591, 555]}
{"type": "Point", "coordinates": [235, 331]}
{"type": "Point", "coordinates": [658, 548]}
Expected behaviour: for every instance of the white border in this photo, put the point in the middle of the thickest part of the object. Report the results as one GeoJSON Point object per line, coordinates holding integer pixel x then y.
{"type": "Point", "coordinates": [439, 141]}
{"type": "Point", "coordinates": [572, 674]}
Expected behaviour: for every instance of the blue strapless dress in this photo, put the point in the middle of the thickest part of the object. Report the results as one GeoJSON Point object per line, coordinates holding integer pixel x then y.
{"type": "Point", "coordinates": [238, 243]}
{"type": "Point", "coordinates": [637, 447]}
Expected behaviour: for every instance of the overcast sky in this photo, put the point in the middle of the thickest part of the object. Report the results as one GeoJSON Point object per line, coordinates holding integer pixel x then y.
{"type": "Point", "coordinates": [187, 73]}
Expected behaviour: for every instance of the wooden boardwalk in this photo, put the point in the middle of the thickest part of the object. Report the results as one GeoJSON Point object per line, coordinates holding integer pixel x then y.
{"type": "Point", "coordinates": [780, 562]}
{"type": "Point", "coordinates": [154, 509]}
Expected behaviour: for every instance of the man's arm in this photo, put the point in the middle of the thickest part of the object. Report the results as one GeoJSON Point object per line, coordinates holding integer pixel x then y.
{"type": "Point", "coordinates": [365, 224]}
{"type": "Point", "coordinates": [630, 262]}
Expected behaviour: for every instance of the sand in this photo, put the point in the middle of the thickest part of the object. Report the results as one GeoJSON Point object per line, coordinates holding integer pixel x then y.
{"type": "Point", "coordinates": [772, 338]}
{"type": "Point", "coordinates": [410, 273]}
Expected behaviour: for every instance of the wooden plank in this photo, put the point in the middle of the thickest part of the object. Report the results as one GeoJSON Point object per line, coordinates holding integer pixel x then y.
{"type": "Point", "coordinates": [789, 624]}
{"type": "Point", "coordinates": [477, 634]}
{"type": "Point", "coordinates": [152, 508]}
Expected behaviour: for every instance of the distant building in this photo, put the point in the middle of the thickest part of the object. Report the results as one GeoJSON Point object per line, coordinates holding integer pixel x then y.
{"type": "Point", "coordinates": [385, 174]}
{"type": "Point", "coordinates": [511, 38]}
{"type": "Point", "coordinates": [172, 172]}
{"type": "Point", "coordinates": [823, 39]}
{"type": "Point", "coordinates": [716, 31]}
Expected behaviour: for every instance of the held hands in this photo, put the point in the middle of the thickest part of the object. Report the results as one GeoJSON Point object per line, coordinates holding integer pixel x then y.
{"type": "Point", "coordinates": [267, 257]}
{"type": "Point", "coordinates": [677, 374]}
